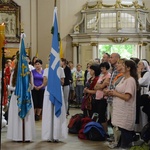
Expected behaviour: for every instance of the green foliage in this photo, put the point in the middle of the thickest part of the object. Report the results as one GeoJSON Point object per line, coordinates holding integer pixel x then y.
{"type": "Point", "coordinates": [125, 51]}
{"type": "Point", "coordinates": [141, 147]}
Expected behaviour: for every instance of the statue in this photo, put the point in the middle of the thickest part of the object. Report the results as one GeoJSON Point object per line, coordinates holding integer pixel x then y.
{"type": "Point", "coordinates": [6, 21]}
{"type": "Point", "coordinates": [12, 26]}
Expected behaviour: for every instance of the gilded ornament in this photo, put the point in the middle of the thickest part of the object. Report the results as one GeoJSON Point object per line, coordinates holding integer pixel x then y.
{"type": "Point", "coordinates": [118, 4]}
{"type": "Point", "coordinates": [100, 4]}
{"type": "Point", "coordinates": [85, 7]}
{"type": "Point", "coordinates": [118, 39]}
{"type": "Point", "coordinates": [94, 44]}
{"type": "Point", "coordinates": [75, 44]}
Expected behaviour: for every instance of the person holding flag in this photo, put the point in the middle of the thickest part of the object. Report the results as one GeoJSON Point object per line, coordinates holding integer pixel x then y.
{"type": "Point", "coordinates": [21, 124]}
{"type": "Point", "coordinates": [54, 125]}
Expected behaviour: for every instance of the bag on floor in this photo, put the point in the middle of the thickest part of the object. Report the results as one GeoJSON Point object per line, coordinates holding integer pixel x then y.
{"type": "Point", "coordinates": [75, 123]}
{"type": "Point", "coordinates": [145, 133]}
{"type": "Point", "coordinates": [94, 131]}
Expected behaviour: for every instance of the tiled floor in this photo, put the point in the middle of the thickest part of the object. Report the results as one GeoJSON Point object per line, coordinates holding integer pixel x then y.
{"type": "Point", "coordinates": [71, 143]}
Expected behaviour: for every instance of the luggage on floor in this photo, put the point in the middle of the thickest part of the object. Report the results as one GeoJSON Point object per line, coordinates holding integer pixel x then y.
{"type": "Point", "coordinates": [75, 123]}
{"type": "Point", "coordinates": [94, 131]}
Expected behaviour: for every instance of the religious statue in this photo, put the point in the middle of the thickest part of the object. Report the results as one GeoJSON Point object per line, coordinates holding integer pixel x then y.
{"type": "Point", "coordinates": [12, 26]}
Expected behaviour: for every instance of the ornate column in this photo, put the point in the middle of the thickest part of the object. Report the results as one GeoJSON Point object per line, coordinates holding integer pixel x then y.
{"type": "Point", "coordinates": [94, 49]}
{"type": "Point", "coordinates": [75, 53]}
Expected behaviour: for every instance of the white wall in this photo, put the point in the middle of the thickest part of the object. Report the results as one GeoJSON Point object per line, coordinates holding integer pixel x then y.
{"type": "Point", "coordinates": [69, 16]}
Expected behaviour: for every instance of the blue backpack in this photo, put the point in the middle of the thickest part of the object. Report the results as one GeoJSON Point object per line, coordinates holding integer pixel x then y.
{"type": "Point", "coordinates": [94, 131]}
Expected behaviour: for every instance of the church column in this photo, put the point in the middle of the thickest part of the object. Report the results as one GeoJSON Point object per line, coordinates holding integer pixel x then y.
{"type": "Point", "coordinates": [143, 50]}
{"type": "Point", "coordinates": [75, 53]}
{"type": "Point", "coordinates": [136, 51]}
{"type": "Point", "coordinates": [94, 49]}
{"type": "Point", "coordinates": [139, 51]}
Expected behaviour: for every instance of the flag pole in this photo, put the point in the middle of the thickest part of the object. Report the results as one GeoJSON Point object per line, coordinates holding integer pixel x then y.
{"type": "Point", "coordinates": [2, 90]}
{"type": "Point", "coordinates": [55, 3]}
{"type": "Point", "coordinates": [54, 140]}
{"type": "Point", "coordinates": [23, 130]}
{"type": "Point", "coordinates": [23, 120]}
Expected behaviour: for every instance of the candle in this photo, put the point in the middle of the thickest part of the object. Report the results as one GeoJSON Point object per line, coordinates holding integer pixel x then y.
{"type": "Point", "coordinates": [2, 40]}
{"type": "Point", "coordinates": [2, 36]}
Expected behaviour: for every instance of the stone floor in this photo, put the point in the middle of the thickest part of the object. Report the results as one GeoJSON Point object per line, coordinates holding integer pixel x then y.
{"type": "Point", "coordinates": [71, 143]}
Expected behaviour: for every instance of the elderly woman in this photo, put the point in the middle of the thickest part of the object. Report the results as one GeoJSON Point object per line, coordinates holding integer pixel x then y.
{"type": "Point", "coordinates": [124, 103]}
{"type": "Point", "coordinates": [144, 81]}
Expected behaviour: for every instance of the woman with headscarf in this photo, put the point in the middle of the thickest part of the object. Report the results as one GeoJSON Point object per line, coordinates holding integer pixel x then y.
{"type": "Point", "coordinates": [144, 81]}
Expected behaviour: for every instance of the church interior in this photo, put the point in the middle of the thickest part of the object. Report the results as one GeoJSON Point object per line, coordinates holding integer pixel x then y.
{"type": "Point", "coordinates": [83, 26]}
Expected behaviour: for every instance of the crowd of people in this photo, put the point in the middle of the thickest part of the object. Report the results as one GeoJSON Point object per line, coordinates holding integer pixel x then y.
{"type": "Point", "coordinates": [111, 83]}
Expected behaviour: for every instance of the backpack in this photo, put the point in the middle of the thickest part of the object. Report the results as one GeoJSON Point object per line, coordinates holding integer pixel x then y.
{"type": "Point", "coordinates": [94, 131]}
{"type": "Point", "coordinates": [145, 133]}
{"type": "Point", "coordinates": [75, 123]}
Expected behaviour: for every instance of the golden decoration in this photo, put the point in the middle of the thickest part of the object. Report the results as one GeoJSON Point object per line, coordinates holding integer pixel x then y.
{"type": "Point", "coordinates": [85, 6]}
{"type": "Point", "coordinates": [22, 27]}
{"type": "Point", "coordinates": [100, 4]}
{"type": "Point", "coordinates": [75, 44]}
{"type": "Point", "coordinates": [118, 39]}
{"type": "Point", "coordinates": [142, 43]}
{"type": "Point", "coordinates": [77, 26]}
{"type": "Point", "coordinates": [118, 4]}
{"type": "Point", "coordinates": [94, 44]}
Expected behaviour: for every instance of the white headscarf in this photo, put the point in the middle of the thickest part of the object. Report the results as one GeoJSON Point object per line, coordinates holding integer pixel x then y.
{"type": "Point", "coordinates": [146, 66]}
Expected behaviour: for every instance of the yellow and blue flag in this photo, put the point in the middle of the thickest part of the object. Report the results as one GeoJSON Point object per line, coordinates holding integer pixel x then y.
{"type": "Point", "coordinates": [54, 84]}
{"type": "Point", "coordinates": [22, 85]}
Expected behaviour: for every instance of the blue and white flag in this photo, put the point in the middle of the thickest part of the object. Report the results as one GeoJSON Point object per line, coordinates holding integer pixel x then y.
{"type": "Point", "coordinates": [22, 85]}
{"type": "Point", "coordinates": [54, 84]}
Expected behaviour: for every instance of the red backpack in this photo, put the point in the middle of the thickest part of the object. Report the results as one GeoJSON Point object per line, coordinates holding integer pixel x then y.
{"type": "Point", "coordinates": [75, 123]}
